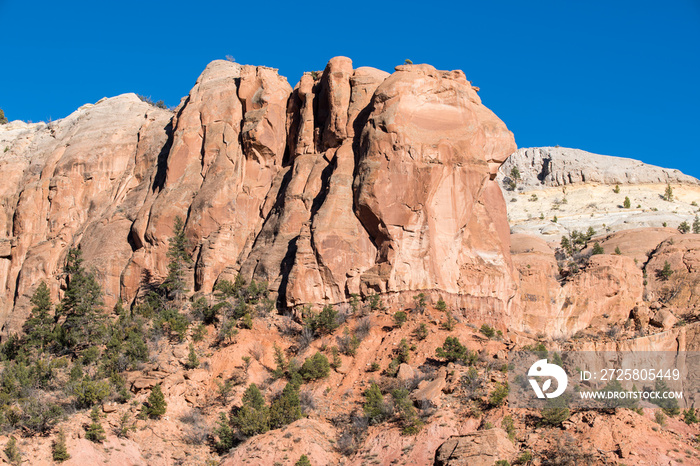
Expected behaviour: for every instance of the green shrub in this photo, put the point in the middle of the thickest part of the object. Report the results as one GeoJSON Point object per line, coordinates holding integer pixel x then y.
{"type": "Point", "coordinates": [199, 332]}
{"type": "Point", "coordinates": [666, 272]}
{"type": "Point", "coordinates": [400, 318]}
{"type": "Point", "coordinates": [408, 417]}
{"type": "Point", "coordinates": [668, 405]}
{"type": "Point", "coordinates": [449, 323]}
{"type": "Point", "coordinates": [421, 332]}
{"type": "Point", "coordinates": [524, 458]}
{"type": "Point", "coordinates": [39, 415]}
{"type": "Point", "coordinates": [125, 425]}
{"type": "Point", "coordinates": [668, 194]}
{"type": "Point", "coordinates": [326, 321]}
{"type": "Point", "coordinates": [420, 303]}
{"type": "Point", "coordinates": [374, 407]}
{"type": "Point", "coordinates": [59, 450]}
{"type": "Point", "coordinates": [281, 363]}
{"type": "Point", "coordinates": [660, 418]}
{"type": "Point", "coordinates": [90, 392]}
{"type": "Point", "coordinates": [95, 432]}
{"type": "Point", "coordinates": [315, 367]}
{"type": "Point", "coordinates": [253, 417]}
{"type": "Point", "coordinates": [192, 359]}
{"type": "Point", "coordinates": [509, 426]}
{"type": "Point", "coordinates": [684, 227]}
{"type": "Point", "coordinates": [555, 412]}
{"type": "Point", "coordinates": [3, 119]}
{"type": "Point", "coordinates": [403, 353]}
{"type": "Point", "coordinates": [627, 204]}
{"type": "Point", "coordinates": [286, 408]}
{"type": "Point", "coordinates": [336, 362]}
{"type": "Point", "coordinates": [452, 350]}
{"type": "Point", "coordinates": [690, 417]}
{"type": "Point", "coordinates": [597, 249]}
{"type": "Point", "coordinates": [12, 452]}
{"type": "Point", "coordinates": [375, 302]}
{"type": "Point", "coordinates": [499, 394]}
{"type": "Point", "coordinates": [225, 434]}
{"type": "Point", "coordinates": [303, 461]}
{"type": "Point", "coordinates": [441, 305]}
{"type": "Point", "coordinates": [487, 330]}
{"type": "Point", "coordinates": [156, 405]}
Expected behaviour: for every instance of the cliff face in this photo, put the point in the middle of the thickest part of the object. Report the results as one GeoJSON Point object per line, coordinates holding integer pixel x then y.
{"type": "Point", "coordinates": [355, 181]}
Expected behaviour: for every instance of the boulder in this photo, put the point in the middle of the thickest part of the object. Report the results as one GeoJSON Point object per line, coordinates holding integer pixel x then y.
{"type": "Point", "coordinates": [482, 448]}
{"type": "Point", "coordinates": [664, 319]}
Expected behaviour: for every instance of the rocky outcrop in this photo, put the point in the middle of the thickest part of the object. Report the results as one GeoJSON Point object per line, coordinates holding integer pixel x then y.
{"type": "Point", "coordinates": [560, 166]}
{"type": "Point", "coordinates": [79, 180]}
{"type": "Point", "coordinates": [482, 448]}
{"type": "Point", "coordinates": [680, 288]}
{"type": "Point", "coordinates": [603, 293]}
{"type": "Point", "coordinates": [355, 181]}
{"type": "Point", "coordinates": [560, 190]}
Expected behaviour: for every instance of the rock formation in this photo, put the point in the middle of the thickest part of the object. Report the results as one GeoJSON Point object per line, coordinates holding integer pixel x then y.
{"type": "Point", "coordinates": [585, 190]}
{"type": "Point", "coordinates": [560, 166]}
{"type": "Point", "coordinates": [355, 181]}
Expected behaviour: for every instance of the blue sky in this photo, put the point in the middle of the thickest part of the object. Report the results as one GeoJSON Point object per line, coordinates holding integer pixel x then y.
{"type": "Point", "coordinates": [613, 77]}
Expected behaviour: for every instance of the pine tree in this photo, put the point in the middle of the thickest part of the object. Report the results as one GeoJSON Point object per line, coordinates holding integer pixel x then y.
{"type": "Point", "coordinates": [253, 417]}
{"type": "Point", "coordinates": [627, 204]}
{"type": "Point", "coordinates": [192, 359]}
{"type": "Point", "coordinates": [81, 304]}
{"type": "Point", "coordinates": [286, 408]}
{"type": "Point", "coordinates": [696, 225]}
{"type": "Point", "coordinates": [597, 249]}
{"type": "Point", "coordinates": [95, 432]}
{"type": "Point", "coordinates": [684, 227]}
{"type": "Point", "coordinates": [668, 194]}
{"type": "Point", "coordinates": [225, 434]}
{"type": "Point", "coordinates": [374, 407]}
{"type": "Point", "coordinates": [566, 245]}
{"type": "Point", "coordinates": [12, 451]}
{"type": "Point", "coordinates": [303, 459]}
{"type": "Point", "coordinates": [174, 284]}
{"type": "Point", "coordinates": [59, 450]}
{"type": "Point", "coordinates": [38, 328]}
{"type": "Point", "coordinates": [156, 403]}
{"type": "Point", "coordinates": [666, 272]}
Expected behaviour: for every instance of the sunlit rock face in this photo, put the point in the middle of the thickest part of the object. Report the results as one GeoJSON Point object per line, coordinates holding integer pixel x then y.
{"type": "Point", "coordinates": [354, 181]}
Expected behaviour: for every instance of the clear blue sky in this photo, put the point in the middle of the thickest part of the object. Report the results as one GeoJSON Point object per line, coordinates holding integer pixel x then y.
{"type": "Point", "coordinates": [613, 77]}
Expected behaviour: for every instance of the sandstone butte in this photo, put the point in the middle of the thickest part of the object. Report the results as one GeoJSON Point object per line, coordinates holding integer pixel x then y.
{"type": "Point", "coordinates": [355, 181]}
